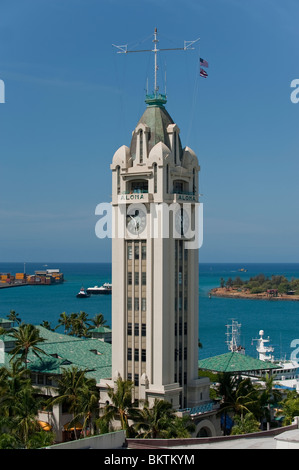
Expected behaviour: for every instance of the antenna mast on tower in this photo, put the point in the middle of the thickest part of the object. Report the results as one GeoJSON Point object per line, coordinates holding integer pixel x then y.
{"type": "Point", "coordinates": [188, 45]}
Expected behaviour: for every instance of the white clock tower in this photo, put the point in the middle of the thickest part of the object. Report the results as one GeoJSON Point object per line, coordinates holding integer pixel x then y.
{"type": "Point", "coordinates": [154, 266]}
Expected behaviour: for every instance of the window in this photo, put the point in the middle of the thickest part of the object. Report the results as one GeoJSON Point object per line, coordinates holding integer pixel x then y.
{"type": "Point", "coordinates": [167, 178]}
{"type": "Point", "coordinates": [118, 179]}
{"type": "Point", "coordinates": [141, 146]}
{"type": "Point", "coordinates": [143, 355]}
{"type": "Point", "coordinates": [143, 304]}
{"type": "Point", "coordinates": [136, 354]}
{"type": "Point", "coordinates": [129, 354]}
{"type": "Point", "coordinates": [136, 379]}
{"type": "Point", "coordinates": [143, 329]}
{"type": "Point", "coordinates": [143, 251]}
{"type": "Point", "coordinates": [129, 250]}
{"type": "Point", "coordinates": [136, 251]}
{"type": "Point", "coordinates": [136, 303]}
{"type": "Point", "coordinates": [136, 279]}
{"type": "Point", "coordinates": [155, 177]}
{"type": "Point", "coordinates": [136, 329]}
{"type": "Point", "coordinates": [129, 329]}
{"type": "Point", "coordinates": [143, 277]}
{"type": "Point", "coordinates": [129, 303]}
{"type": "Point", "coordinates": [130, 278]}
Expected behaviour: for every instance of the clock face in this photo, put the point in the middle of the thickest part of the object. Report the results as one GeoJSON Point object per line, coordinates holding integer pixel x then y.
{"type": "Point", "coordinates": [181, 222]}
{"type": "Point", "coordinates": [136, 223]}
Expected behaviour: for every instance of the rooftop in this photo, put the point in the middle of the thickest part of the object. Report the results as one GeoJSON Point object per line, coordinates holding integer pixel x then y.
{"type": "Point", "coordinates": [64, 351]}
{"type": "Point", "coordinates": [234, 362]}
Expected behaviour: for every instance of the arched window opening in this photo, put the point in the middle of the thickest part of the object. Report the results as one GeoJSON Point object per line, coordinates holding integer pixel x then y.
{"type": "Point", "coordinates": [140, 146]}
{"type": "Point", "coordinates": [118, 179]}
{"type": "Point", "coordinates": [155, 178]}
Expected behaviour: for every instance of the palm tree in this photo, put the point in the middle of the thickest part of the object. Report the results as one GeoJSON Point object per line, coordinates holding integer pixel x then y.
{"type": "Point", "coordinates": [64, 320]}
{"type": "Point", "coordinates": [99, 320]}
{"type": "Point", "coordinates": [27, 337]}
{"type": "Point", "coordinates": [243, 398]}
{"type": "Point", "coordinates": [13, 316]}
{"type": "Point", "coordinates": [245, 424]}
{"type": "Point", "coordinates": [156, 421]}
{"type": "Point", "coordinates": [289, 407]}
{"type": "Point", "coordinates": [238, 395]}
{"type": "Point", "coordinates": [72, 384]}
{"type": "Point", "coordinates": [88, 405]}
{"type": "Point", "coordinates": [121, 406]}
{"type": "Point", "coordinates": [18, 406]}
{"type": "Point", "coordinates": [269, 396]}
{"type": "Point", "coordinates": [47, 325]}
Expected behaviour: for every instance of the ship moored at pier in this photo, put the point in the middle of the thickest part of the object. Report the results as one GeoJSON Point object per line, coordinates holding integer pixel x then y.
{"type": "Point", "coordinates": [42, 277]}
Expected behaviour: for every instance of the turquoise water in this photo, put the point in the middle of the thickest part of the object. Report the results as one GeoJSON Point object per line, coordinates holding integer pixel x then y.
{"type": "Point", "coordinates": [279, 320]}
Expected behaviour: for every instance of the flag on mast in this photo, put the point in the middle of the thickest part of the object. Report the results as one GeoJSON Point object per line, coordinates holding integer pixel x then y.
{"type": "Point", "coordinates": [203, 73]}
{"type": "Point", "coordinates": [204, 63]}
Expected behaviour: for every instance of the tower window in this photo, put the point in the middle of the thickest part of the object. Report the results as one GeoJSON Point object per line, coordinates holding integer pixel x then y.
{"type": "Point", "coordinates": [155, 177]}
{"type": "Point", "coordinates": [129, 354]}
{"type": "Point", "coordinates": [136, 251]}
{"type": "Point", "coordinates": [143, 251]}
{"type": "Point", "coordinates": [167, 178]}
{"type": "Point", "coordinates": [144, 279]}
{"type": "Point", "coordinates": [140, 146]}
{"type": "Point", "coordinates": [143, 329]}
{"type": "Point", "coordinates": [129, 329]}
{"type": "Point", "coordinates": [118, 179]}
{"type": "Point", "coordinates": [136, 354]}
{"type": "Point", "coordinates": [136, 329]}
{"type": "Point", "coordinates": [136, 278]}
{"type": "Point", "coordinates": [129, 250]}
{"type": "Point", "coordinates": [143, 304]}
{"type": "Point", "coordinates": [143, 355]}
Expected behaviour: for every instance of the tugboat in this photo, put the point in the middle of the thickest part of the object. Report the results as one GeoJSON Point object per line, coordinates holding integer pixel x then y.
{"type": "Point", "coordinates": [82, 293]}
{"type": "Point", "coordinates": [106, 288]}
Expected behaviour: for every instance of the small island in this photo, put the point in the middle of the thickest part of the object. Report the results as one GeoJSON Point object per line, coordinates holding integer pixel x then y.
{"type": "Point", "coordinates": [276, 287]}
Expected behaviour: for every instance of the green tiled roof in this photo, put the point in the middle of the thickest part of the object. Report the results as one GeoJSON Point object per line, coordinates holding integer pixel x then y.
{"type": "Point", "coordinates": [64, 351]}
{"type": "Point", "coordinates": [234, 362]}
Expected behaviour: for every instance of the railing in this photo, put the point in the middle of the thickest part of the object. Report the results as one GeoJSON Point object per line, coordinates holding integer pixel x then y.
{"type": "Point", "coordinates": [179, 191]}
{"type": "Point", "coordinates": [136, 191]}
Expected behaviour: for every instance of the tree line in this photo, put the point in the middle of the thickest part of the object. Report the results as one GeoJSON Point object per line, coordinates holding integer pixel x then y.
{"type": "Point", "coordinates": [73, 324]}
{"type": "Point", "coordinates": [243, 404]}
{"type": "Point", "coordinates": [261, 283]}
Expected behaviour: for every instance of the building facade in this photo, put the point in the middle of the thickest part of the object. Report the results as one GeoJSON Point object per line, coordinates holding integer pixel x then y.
{"type": "Point", "coordinates": [154, 264]}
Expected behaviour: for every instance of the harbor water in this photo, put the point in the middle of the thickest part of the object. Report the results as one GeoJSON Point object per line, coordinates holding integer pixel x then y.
{"type": "Point", "coordinates": [278, 319]}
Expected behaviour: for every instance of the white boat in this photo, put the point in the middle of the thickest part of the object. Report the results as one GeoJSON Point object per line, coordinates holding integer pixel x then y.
{"type": "Point", "coordinates": [106, 288]}
{"type": "Point", "coordinates": [82, 294]}
{"type": "Point", "coordinates": [287, 372]}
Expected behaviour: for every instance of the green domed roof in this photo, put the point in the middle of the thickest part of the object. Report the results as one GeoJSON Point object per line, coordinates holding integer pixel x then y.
{"type": "Point", "coordinates": [157, 119]}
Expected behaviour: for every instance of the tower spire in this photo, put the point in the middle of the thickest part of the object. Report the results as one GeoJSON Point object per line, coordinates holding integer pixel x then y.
{"type": "Point", "coordinates": [156, 98]}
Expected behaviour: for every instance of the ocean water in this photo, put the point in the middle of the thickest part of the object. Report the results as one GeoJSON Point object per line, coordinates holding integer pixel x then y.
{"type": "Point", "coordinates": [278, 319]}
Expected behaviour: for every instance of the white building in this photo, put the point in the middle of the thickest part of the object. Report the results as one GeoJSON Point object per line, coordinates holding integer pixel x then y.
{"type": "Point", "coordinates": [154, 268]}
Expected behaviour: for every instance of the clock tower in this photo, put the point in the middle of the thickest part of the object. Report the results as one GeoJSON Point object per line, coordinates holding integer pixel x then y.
{"type": "Point", "coordinates": [154, 264]}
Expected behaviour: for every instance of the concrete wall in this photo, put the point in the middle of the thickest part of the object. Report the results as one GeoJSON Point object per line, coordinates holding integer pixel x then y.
{"type": "Point", "coordinates": [112, 440]}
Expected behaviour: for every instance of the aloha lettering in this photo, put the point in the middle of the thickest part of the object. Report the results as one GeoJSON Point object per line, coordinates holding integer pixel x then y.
{"type": "Point", "coordinates": [131, 197]}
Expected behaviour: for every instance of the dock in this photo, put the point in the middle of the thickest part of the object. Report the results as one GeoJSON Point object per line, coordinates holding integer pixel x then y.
{"type": "Point", "coordinates": [39, 278]}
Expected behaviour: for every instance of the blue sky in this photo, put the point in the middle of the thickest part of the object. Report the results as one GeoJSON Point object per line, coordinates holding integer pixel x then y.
{"type": "Point", "coordinates": [72, 101]}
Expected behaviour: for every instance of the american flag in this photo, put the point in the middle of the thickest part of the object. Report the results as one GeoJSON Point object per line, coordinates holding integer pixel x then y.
{"type": "Point", "coordinates": [204, 63]}
{"type": "Point", "coordinates": [203, 73]}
